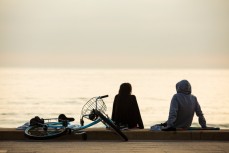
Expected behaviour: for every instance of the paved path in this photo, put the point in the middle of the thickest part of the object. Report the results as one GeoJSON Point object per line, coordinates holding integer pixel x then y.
{"type": "Point", "coordinates": [114, 147]}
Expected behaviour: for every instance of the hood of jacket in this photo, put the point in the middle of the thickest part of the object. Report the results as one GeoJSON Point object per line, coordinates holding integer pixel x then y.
{"type": "Point", "coordinates": [184, 87]}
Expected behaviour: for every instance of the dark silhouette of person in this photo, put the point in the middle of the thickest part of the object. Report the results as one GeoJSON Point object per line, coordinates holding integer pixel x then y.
{"type": "Point", "coordinates": [183, 106]}
{"type": "Point", "coordinates": [125, 108]}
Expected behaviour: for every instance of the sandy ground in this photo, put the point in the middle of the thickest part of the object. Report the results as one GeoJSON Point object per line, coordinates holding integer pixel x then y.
{"type": "Point", "coordinates": [114, 147]}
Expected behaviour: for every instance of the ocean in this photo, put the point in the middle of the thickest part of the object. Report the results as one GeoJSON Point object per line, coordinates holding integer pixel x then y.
{"type": "Point", "coordinates": [48, 92]}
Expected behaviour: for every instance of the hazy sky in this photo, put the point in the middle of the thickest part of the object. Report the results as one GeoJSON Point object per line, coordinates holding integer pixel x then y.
{"type": "Point", "coordinates": [115, 33]}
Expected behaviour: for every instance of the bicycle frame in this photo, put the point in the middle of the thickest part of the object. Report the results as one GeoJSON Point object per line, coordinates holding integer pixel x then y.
{"type": "Point", "coordinates": [74, 127]}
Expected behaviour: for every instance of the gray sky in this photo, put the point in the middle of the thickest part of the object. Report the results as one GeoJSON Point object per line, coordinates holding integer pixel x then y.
{"type": "Point", "coordinates": [115, 33]}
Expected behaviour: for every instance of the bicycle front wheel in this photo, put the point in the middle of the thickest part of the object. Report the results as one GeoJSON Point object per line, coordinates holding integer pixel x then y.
{"type": "Point", "coordinates": [112, 125]}
{"type": "Point", "coordinates": [41, 133]}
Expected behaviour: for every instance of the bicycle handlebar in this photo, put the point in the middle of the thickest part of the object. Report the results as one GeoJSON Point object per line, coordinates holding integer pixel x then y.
{"type": "Point", "coordinates": [105, 96]}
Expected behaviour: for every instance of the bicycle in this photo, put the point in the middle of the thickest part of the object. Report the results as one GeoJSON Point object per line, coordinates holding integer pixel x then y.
{"type": "Point", "coordinates": [93, 110]}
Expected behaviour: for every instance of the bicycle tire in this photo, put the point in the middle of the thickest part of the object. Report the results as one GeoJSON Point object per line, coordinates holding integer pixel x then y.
{"type": "Point", "coordinates": [39, 133]}
{"type": "Point", "coordinates": [112, 125]}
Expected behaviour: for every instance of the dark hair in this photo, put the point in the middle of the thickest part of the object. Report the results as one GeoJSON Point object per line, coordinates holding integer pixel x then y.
{"type": "Point", "coordinates": [125, 89]}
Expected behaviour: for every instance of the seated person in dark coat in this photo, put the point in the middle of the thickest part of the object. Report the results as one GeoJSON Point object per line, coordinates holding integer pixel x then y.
{"type": "Point", "coordinates": [125, 108]}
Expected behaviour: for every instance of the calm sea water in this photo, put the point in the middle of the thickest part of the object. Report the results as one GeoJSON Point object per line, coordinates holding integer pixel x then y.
{"type": "Point", "coordinates": [25, 93]}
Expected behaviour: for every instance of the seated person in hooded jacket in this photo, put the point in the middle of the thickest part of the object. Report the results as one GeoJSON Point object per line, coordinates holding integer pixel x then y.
{"type": "Point", "coordinates": [125, 108]}
{"type": "Point", "coordinates": [182, 108]}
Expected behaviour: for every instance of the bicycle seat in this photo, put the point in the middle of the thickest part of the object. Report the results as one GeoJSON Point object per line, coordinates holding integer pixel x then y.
{"type": "Point", "coordinates": [63, 117]}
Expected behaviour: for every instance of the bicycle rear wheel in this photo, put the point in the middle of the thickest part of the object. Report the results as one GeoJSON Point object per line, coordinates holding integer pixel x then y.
{"type": "Point", "coordinates": [41, 133]}
{"type": "Point", "coordinates": [112, 125]}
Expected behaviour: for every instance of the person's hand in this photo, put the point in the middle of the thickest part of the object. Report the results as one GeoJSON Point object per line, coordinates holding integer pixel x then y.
{"type": "Point", "coordinates": [164, 124]}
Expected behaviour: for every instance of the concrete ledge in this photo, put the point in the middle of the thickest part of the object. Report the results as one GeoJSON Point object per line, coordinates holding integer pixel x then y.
{"type": "Point", "coordinates": [146, 134]}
